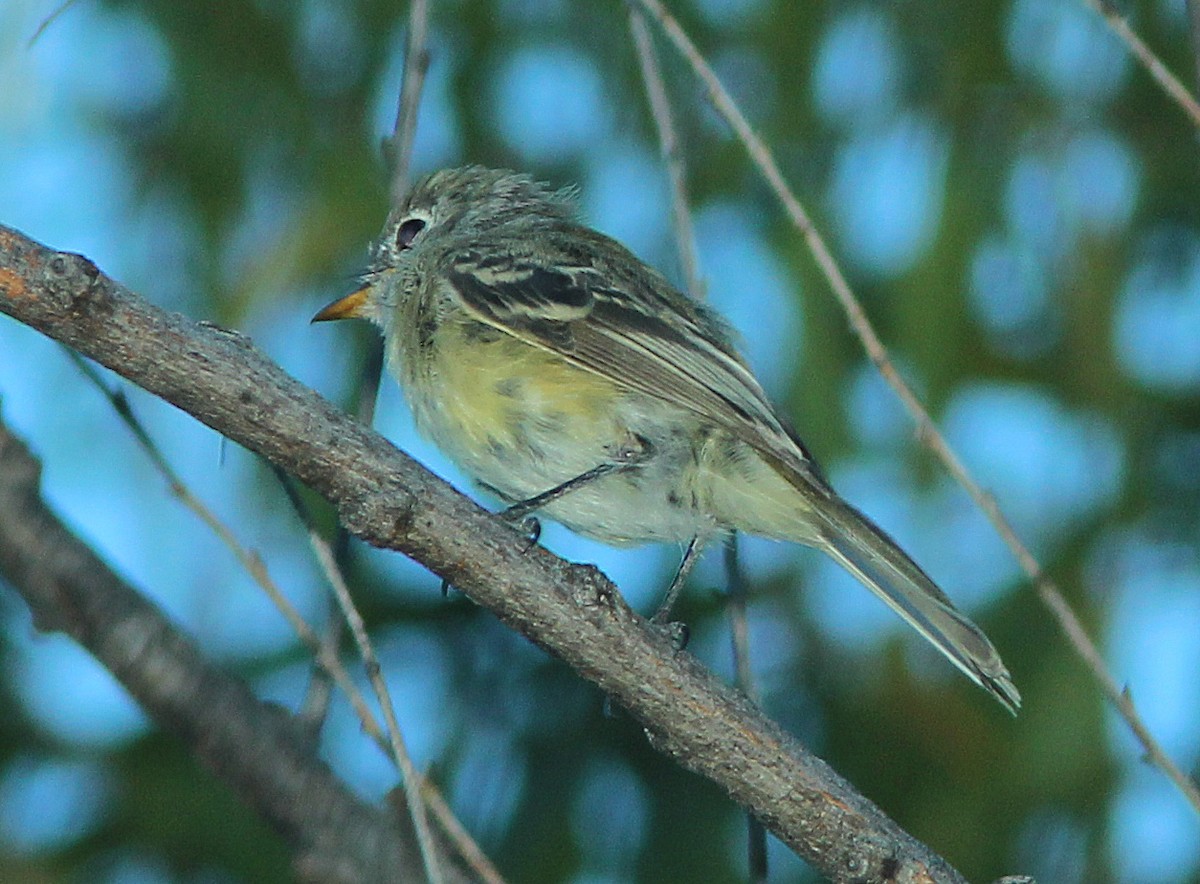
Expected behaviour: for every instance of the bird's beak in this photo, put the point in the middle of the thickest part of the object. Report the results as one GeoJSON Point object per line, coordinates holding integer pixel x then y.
{"type": "Point", "coordinates": [352, 306]}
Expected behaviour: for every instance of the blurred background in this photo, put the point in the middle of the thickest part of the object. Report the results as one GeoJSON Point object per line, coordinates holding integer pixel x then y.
{"type": "Point", "coordinates": [1014, 201]}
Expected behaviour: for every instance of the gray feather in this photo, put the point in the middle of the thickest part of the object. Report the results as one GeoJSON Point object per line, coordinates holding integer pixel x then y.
{"type": "Point", "coordinates": [869, 554]}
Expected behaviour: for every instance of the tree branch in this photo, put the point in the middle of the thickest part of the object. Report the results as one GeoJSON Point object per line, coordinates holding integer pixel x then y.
{"type": "Point", "coordinates": [390, 501]}
{"type": "Point", "coordinates": [416, 63]}
{"type": "Point", "coordinates": [670, 150]}
{"type": "Point", "coordinates": [260, 751]}
{"type": "Point", "coordinates": [1167, 82]}
{"type": "Point", "coordinates": [928, 433]}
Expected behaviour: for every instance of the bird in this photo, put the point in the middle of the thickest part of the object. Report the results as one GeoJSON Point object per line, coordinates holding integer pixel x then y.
{"type": "Point", "coordinates": [570, 379]}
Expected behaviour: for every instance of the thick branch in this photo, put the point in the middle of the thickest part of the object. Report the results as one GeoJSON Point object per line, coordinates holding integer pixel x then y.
{"type": "Point", "coordinates": [389, 500]}
{"type": "Point", "coordinates": [257, 749]}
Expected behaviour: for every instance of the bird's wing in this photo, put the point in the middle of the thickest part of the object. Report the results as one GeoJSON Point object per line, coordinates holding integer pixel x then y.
{"type": "Point", "coordinates": [620, 324]}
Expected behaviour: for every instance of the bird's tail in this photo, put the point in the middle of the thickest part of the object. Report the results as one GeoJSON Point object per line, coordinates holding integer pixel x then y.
{"type": "Point", "coordinates": [869, 554]}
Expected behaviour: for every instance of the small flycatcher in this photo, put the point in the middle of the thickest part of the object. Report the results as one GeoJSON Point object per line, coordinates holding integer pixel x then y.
{"type": "Point", "coordinates": [568, 377]}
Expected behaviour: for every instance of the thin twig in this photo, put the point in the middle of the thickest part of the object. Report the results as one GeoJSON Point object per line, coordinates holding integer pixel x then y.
{"type": "Point", "coordinates": [313, 709]}
{"type": "Point", "coordinates": [740, 632]}
{"type": "Point", "coordinates": [467, 847]}
{"type": "Point", "coordinates": [250, 561]}
{"type": "Point", "coordinates": [370, 377]}
{"type": "Point", "coordinates": [49, 20]}
{"type": "Point", "coordinates": [1154, 66]}
{"type": "Point", "coordinates": [464, 844]}
{"type": "Point", "coordinates": [1047, 590]}
{"type": "Point", "coordinates": [326, 560]}
{"type": "Point", "coordinates": [416, 62]}
{"type": "Point", "coordinates": [668, 142]}
{"type": "Point", "coordinates": [685, 241]}
{"type": "Point", "coordinates": [408, 772]}
{"type": "Point", "coordinates": [428, 794]}
{"type": "Point", "coordinates": [739, 629]}
{"type": "Point", "coordinates": [398, 150]}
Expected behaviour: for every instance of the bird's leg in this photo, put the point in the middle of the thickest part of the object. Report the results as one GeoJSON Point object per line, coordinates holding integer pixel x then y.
{"type": "Point", "coordinates": [678, 630]}
{"type": "Point", "coordinates": [523, 508]}
{"type": "Point", "coordinates": [631, 454]}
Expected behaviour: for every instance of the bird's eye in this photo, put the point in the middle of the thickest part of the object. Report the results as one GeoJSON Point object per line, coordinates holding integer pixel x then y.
{"type": "Point", "coordinates": [408, 231]}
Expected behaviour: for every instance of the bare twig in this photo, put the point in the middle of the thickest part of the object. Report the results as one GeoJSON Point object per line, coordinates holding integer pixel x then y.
{"type": "Point", "coordinates": [412, 791]}
{"type": "Point", "coordinates": [416, 62]}
{"type": "Point", "coordinates": [1047, 590]}
{"type": "Point", "coordinates": [45, 23]}
{"type": "Point", "coordinates": [1168, 82]}
{"type": "Point", "coordinates": [395, 744]}
{"type": "Point", "coordinates": [739, 628]}
{"type": "Point", "coordinates": [467, 847]}
{"type": "Point", "coordinates": [457, 835]}
{"type": "Point", "coordinates": [313, 708]}
{"type": "Point", "coordinates": [398, 150]}
{"type": "Point", "coordinates": [249, 560]}
{"type": "Point", "coordinates": [668, 142]}
{"type": "Point", "coordinates": [685, 241]}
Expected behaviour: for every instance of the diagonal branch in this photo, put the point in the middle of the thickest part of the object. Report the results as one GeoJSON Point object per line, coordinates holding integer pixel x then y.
{"type": "Point", "coordinates": [685, 242]}
{"type": "Point", "coordinates": [1047, 589]}
{"type": "Point", "coordinates": [1167, 81]}
{"type": "Point", "coordinates": [672, 154]}
{"type": "Point", "coordinates": [398, 151]}
{"type": "Point", "coordinates": [389, 500]}
{"type": "Point", "coordinates": [416, 63]}
{"type": "Point", "coordinates": [260, 752]}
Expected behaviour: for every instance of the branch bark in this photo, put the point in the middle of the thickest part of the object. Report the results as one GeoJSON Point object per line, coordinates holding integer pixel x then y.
{"type": "Point", "coordinates": [258, 750]}
{"type": "Point", "coordinates": [390, 501]}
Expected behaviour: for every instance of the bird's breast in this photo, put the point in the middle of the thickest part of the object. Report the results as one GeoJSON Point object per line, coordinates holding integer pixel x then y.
{"type": "Point", "coordinates": [498, 405]}
{"type": "Point", "coordinates": [522, 420]}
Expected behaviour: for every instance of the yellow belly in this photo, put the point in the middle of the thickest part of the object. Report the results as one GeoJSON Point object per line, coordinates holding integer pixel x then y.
{"type": "Point", "coordinates": [511, 414]}
{"type": "Point", "coordinates": [493, 392]}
